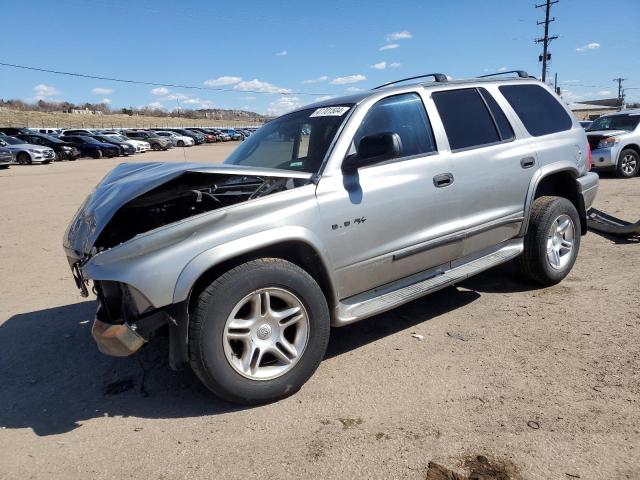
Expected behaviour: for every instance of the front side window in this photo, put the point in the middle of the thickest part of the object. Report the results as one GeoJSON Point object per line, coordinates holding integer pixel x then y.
{"type": "Point", "coordinates": [466, 119]}
{"type": "Point", "coordinates": [539, 111]}
{"type": "Point", "coordinates": [296, 141]}
{"type": "Point", "coordinates": [402, 114]}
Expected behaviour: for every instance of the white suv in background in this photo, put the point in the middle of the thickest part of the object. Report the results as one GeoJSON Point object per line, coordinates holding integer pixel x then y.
{"type": "Point", "coordinates": [615, 142]}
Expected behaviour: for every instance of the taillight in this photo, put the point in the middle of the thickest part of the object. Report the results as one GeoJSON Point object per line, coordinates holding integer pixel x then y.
{"type": "Point", "coordinates": [589, 161]}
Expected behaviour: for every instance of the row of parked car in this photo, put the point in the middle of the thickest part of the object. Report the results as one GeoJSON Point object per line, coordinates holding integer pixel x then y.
{"type": "Point", "coordinates": [29, 145]}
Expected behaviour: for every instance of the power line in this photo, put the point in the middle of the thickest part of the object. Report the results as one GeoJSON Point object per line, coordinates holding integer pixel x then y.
{"type": "Point", "coordinates": [155, 84]}
{"type": "Point", "coordinates": [546, 40]}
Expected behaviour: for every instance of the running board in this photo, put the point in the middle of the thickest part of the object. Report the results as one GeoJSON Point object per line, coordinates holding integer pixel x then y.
{"type": "Point", "coordinates": [379, 300]}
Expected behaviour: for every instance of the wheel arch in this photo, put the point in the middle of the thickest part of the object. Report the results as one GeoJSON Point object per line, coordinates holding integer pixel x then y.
{"type": "Point", "coordinates": [559, 182]}
{"type": "Point", "coordinates": [630, 146]}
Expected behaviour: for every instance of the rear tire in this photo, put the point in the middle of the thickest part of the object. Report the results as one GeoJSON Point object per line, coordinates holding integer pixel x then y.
{"type": "Point", "coordinates": [180, 143]}
{"type": "Point", "coordinates": [97, 154]}
{"type": "Point", "coordinates": [218, 361]}
{"type": "Point", "coordinates": [628, 164]}
{"type": "Point", "coordinates": [552, 241]}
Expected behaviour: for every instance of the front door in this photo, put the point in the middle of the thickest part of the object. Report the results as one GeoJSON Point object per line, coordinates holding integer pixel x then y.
{"type": "Point", "coordinates": [390, 220]}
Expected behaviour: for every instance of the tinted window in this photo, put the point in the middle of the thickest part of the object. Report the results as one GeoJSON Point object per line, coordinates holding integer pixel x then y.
{"type": "Point", "coordinates": [539, 111]}
{"type": "Point", "coordinates": [404, 115]}
{"type": "Point", "coordinates": [504, 127]}
{"type": "Point", "coordinates": [466, 119]}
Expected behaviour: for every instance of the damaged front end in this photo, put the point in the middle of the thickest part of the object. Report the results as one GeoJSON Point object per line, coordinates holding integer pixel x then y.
{"type": "Point", "coordinates": [120, 237]}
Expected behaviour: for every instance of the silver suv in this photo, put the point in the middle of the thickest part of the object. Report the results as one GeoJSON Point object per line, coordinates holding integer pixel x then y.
{"type": "Point", "coordinates": [326, 216]}
{"type": "Point", "coordinates": [615, 142]}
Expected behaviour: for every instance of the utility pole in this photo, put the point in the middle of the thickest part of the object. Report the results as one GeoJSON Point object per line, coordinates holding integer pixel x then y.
{"type": "Point", "coordinates": [620, 90]}
{"type": "Point", "coordinates": [546, 40]}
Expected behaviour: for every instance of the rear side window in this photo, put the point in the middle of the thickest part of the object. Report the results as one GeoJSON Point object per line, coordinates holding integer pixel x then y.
{"type": "Point", "coordinates": [539, 111]}
{"type": "Point", "coordinates": [503, 125]}
{"type": "Point", "coordinates": [402, 114]}
{"type": "Point", "coordinates": [466, 118]}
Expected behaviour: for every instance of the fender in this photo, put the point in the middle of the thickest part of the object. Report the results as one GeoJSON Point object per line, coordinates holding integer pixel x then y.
{"type": "Point", "coordinates": [544, 172]}
{"type": "Point", "coordinates": [242, 246]}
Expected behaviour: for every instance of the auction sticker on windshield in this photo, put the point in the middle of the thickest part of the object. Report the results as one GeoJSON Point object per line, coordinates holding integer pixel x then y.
{"type": "Point", "coordinates": [329, 112]}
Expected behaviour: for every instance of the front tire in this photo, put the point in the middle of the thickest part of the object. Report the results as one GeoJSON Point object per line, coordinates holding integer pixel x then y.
{"type": "Point", "coordinates": [97, 154]}
{"type": "Point", "coordinates": [259, 332]}
{"type": "Point", "coordinates": [180, 143]}
{"type": "Point", "coordinates": [552, 241]}
{"type": "Point", "coordinates": [24, 159]}
{"type": "Point", "coordinates": [628, 164]}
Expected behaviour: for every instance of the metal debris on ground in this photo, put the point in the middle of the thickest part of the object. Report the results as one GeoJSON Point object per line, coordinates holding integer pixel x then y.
{"type": "Point", "coordinates": [418, 336]}
{"type": "Point", "coordinates": [457, 336]}
{"type": "Point", "coordinates": [602, 222]}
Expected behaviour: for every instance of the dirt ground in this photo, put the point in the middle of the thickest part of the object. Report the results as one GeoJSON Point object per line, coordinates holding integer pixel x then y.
{"type": "Point", "coordinates": [544, 383]}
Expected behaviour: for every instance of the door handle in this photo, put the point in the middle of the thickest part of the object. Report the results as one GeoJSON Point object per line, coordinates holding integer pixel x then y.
{"type": "Point", "coordinates": [443, 180]}
{"type": "Point", "coordinates": [527, 162]}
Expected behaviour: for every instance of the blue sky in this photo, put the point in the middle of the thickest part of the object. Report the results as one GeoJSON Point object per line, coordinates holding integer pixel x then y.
{"type": "Point", "coordinates": [305, 49]}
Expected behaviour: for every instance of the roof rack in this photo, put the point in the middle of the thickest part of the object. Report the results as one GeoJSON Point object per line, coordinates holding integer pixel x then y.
{"type": "Point", "coordinates": [439, 77]}
{"type": "Point", "coordinates": [521, 74]}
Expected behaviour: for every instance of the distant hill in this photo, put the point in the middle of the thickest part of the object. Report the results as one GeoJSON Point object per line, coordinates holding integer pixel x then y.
{"type": "Point", "coordinates": [16, 113]}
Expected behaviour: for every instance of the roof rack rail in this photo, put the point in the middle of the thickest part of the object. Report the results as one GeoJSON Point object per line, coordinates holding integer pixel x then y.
{"type": "Point", "coordinates": [439, 77]}
{"type": "Point", "coordinates": [521, 74]}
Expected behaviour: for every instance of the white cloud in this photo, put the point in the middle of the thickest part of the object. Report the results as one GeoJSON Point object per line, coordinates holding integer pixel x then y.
{"type": "Point", "coordinates": [248, 98]}
{"type": "Point", "coordinates": [403, 35]}
{"type": "Point", "coordinates": [42, 90]}
{"type": "Point", "coordinates": [348, 79]}
{"type": "Point", "coordinates": [588, 46]}
{"type": "Point", "coordinates": [102, 91]}
{"type": "Point", "coordinates": [160, 91]}
{"type": "Point", "coordinates": [322, 98]}
{"type": "Point", "coordinates": [283, 105]}
{"type": "Point", "coordinates": [354, 89]}
{"type": "Point", "coordinates": [106, 101]}
{"type": "Point", "coordinates": [176, 96]}
{"type": "Point", "coordinates": [395, 65]}
{"type": "Point", "coordinates": [571, 81]}
{"type": "Point", "coordinates": [323, 78]}
{"type": "Point", "coordinates": [156, 105]}
{"type": "Point", "coordinates": [259, 86]}
{"type": "Point", "coordinates": [379, 66]}
{"type": "Point", "coordinates": [604, 92]}
{"type": "Point", "coordinates": [282, 53]}
{"type": "Point", "coordinates": [502, 69]}
{"type": "Point", "coordinates": [389, 46]}
{"type": "Point", "coordinates": [221, 81]}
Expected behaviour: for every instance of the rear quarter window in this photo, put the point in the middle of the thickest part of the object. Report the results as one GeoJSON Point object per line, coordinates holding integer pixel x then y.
{"type": "Point", "coordinates": [540, 112]}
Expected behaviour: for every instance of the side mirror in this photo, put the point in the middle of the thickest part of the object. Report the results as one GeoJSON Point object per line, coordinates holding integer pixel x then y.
{"type": "Point", "coordinates": [373, 149]}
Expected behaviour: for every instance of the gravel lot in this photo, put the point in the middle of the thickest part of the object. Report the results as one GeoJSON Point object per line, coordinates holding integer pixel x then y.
{"type": "Point", "coordinates": [543, 382]}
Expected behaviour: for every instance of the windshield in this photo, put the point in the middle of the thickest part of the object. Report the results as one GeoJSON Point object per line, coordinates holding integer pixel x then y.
{"type": "Point", "coordinates": [51, 139]}
{"type": "Point", "coordinates": [89, 139]}
{"type": "Point", "coordinates": [12, 140]}
{"type": "Point", "coordinates": [626, 122]}
{"type": "Point", "coordinates": [297, 141]}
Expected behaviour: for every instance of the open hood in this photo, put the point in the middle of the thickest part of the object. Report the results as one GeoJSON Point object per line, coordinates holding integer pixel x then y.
{"type": "Point", "coordinates": [137, 197]}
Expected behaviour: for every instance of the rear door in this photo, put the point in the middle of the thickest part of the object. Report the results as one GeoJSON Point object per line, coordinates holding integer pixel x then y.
{"type": "Point", "coordinates": [492, 164]}
{"type": "Point", "coordinates": [390, 220]}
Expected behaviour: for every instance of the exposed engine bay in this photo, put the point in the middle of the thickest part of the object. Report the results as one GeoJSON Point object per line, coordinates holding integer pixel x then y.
{"type": "Point", "coordinates": [187, 195]}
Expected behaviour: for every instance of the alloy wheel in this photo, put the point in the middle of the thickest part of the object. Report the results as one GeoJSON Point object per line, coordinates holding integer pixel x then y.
{"type": "Point", "coordinates": [560, 241]}
{"type": "Point", "coordinates": [266, 334]}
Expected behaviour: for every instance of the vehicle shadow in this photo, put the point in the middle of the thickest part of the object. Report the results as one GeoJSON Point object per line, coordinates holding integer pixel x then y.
{"type": "Point", "coordinates": [53, 377]}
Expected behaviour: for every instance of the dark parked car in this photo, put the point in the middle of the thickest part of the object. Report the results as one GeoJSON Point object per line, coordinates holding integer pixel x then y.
{"type": "Point", "coordinates": [64, 150]}
{"type": "Point", "coordinates": [5, 157]}
{"type": "Point", "coordinates": [209, 137]}
{"type": "Point", "coordinates": [14, 131]}
{"type": "Point", "coordinates": [90, 147]}
{"type": "Point", "coordinates": [156, 141]}
{"type": "Point", "coordinates": [125, 148]}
